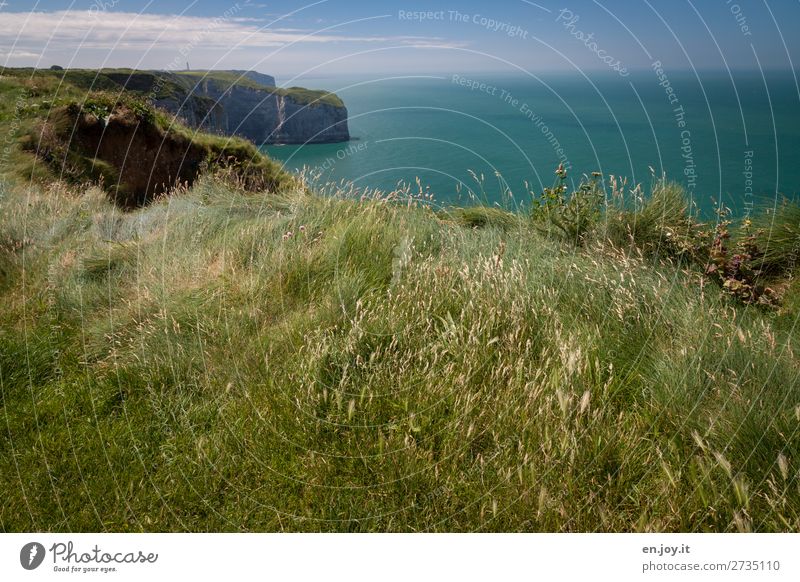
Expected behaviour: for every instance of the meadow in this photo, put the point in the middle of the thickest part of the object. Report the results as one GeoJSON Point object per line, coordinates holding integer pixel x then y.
{"type": "Point", "coordinates": [320, 358]}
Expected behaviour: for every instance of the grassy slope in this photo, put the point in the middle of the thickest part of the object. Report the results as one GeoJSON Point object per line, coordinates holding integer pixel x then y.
{"type": "Point", "coordinates": [176, 84]}
{"type": "Point", "coordinates": [28, 101]}
{"type": "Point", "coordinates": [299, 94]}
{"type": "Point", "coordinates": [191, 366]}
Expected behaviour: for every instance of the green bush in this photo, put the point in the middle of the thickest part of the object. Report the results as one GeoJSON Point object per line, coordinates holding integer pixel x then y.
{"type": "Point", "coordinates": [569, 216]}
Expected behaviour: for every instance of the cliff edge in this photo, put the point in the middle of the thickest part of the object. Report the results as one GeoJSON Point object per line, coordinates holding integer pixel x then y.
{"type": "Point", "coordinates": [139, 153]}
{"type": "Point", "coordinates": [243, 105]}
{"type": "Point", "coordinates": [237, 103]}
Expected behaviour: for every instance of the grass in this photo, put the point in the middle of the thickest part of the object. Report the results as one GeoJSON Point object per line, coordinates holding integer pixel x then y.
{"type": "Point", "coordinates": [229, 361]}
{"type": "Point", "coordinates": [174, 85]}
{"type": "Point", "coordinates": [284, 362]}
{"type": "Point", "coordinates": [778, 233]}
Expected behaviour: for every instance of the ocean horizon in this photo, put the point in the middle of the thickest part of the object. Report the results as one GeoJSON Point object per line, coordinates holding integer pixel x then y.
{"type": "Point", "coordinates": [726, 137]}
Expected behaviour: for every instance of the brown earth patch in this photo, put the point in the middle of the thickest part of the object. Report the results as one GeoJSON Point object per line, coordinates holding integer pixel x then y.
{"type": "Point", "coordinates": [136, 160]}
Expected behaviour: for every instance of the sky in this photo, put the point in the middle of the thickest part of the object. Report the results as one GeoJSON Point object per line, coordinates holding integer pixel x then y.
{"type": "Point", "coordinates": [336, 37]}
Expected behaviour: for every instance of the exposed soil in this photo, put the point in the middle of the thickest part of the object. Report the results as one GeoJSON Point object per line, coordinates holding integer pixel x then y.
{"type": "Point", "coordinates": [148, 161]}
{"type": "Point", "coordinates": [136, 160]}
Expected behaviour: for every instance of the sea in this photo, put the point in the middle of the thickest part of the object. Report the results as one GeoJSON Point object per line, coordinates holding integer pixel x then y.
{"type": "Point", "coordinates": [732, 138]}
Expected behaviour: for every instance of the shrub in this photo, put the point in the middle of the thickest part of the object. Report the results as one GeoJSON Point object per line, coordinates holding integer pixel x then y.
{"type": "Point", "coordinates": [572, 216]}
{"type": "Point", "coordinates": [736, 267]}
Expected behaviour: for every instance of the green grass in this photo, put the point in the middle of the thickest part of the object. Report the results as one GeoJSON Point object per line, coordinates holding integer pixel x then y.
{"type": "Point", "coordinates": [194, 366]}
{"type": "Point", "coordinates": [224, 360]}
{"type": "Point", "coordinates": [299, 94]}
{"type": "Point", "coordinates": [311, 96]}
{"type": "Point", "coordinates": [778, 234]}
{"type": "Point", "coordinates": [168, 84]}
{"type": "Point", "coordinates": [662, 224]}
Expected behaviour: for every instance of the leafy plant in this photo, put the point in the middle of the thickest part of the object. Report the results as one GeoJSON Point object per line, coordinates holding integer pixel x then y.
{"type": "Point", "coordinates": [569, 216]}
{"type": "Point", "coordinates": [736, 267]}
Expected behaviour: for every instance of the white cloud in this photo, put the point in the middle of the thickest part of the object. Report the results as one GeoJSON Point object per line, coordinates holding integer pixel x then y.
{"type": "Point", "coordinates": [17, 54]}
{"type": "Point", "coordinates": [95, 30]}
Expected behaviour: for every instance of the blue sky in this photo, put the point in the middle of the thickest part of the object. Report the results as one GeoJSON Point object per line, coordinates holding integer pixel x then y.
{"type": "Point", "coordinates": [353, 37]}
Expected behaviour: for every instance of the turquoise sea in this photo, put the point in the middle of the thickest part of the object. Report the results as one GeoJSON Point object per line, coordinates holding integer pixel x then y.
{"type": "Point", "coordinates": [733, 136]}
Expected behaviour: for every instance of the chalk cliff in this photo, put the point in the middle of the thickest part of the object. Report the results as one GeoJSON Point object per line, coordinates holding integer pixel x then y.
{"type": "Point", "coordinates": [241, 103]}
{"type": "Point", "coordinates": [263, 114]}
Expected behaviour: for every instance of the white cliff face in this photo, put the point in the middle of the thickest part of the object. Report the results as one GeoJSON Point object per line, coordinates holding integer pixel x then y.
{"type": "Point", "coordinates": [281, 115]}
{"type": "Point", "coordinates": [309, 123]}
{"type": "Point", "coordinates": [262, 116]}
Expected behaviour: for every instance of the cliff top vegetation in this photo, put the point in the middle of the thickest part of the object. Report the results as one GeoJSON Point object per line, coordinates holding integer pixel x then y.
{"type": "Point", "coordinates": [167, 84]}
{"type": "Point", "coordinates": [348, 360]}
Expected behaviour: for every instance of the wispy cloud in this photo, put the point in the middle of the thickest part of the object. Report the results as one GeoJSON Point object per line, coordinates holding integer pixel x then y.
{"type": "Point", "coordinates": [89, 29]}
{"type": "Point", "coordinates": [17, 54]}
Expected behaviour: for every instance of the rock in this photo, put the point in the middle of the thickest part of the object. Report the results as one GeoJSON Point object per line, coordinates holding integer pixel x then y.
{"type": "Point", "coordinates": [241, 103]}
{"type": "Point", "coordinates": [263, 114]}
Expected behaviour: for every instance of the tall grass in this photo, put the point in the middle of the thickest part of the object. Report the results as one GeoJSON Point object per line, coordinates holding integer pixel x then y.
{"type": "Point", "coordinates": [778, 235]}
{"type": "Point", "coordinates": [286, 362]}
{"type": "Point", "coordinates": [662, 223]}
